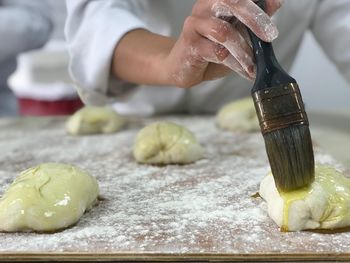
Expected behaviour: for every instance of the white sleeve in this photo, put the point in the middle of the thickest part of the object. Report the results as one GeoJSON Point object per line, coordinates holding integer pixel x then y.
{"type": "Point", "coordinates": [24, 25]}
{"type": "Point", "coordinates": [93, 29]}
{"type": "Point", "coordinates": [331, 28]}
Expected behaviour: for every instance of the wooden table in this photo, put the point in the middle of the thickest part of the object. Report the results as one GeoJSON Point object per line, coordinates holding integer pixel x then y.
{"type": "Point", "coordinates": [199, 212]}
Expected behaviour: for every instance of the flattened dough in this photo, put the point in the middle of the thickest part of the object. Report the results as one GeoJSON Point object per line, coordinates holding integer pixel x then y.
{"type": "Point", "coordinates": [47, 197]}
{"type": "Point", "coordinates": [323, 205]}
{"type": "Point", "coordinates": [238, 116]}
{"type": "Point", "coordinates": [166, 143]}
{"type": "Point", "coordinates": [94, 120]}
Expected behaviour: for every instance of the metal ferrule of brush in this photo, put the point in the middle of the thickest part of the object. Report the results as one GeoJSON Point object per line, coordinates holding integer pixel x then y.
{"type": "Point", "coordinates": [279, 107]}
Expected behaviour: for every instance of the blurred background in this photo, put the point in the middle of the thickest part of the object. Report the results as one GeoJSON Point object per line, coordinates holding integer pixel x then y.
{"type": "Point", "coordinates": [43, 87]}
{"type": "Point", "coordinates": [323, 87]}
{"type": "Point", "coordinates": [41, 81]}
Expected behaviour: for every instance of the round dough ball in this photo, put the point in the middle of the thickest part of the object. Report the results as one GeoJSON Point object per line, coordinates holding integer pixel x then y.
{"type": "Point", "coordinates": [47, 197]}
{"type": "Point", "coordinates": [94, 120]}
{"type": "Point", "coordinates": [323, 205]}
{"type": "Point", "coordinates": [166, 143]}
{"type": "Point", "coordinates": [238, 116]}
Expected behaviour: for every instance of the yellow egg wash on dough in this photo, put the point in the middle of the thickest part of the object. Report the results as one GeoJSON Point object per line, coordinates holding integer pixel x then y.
{"type": "Point", "coordinates": [333, 182]}
{"type": "Point", "coordinates": [288, 198]}
{"type": "Point", "coordinates": [46, 198]}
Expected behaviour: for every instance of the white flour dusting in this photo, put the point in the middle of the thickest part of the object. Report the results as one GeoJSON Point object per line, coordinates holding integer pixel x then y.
{"type": "Point", "coordinates": [203, 207]}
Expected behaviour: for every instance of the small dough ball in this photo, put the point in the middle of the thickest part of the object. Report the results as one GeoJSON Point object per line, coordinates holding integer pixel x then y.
{"type": "Point", "coordinates": [94, 120]}
{"type": "Point", "coordinates": [238, 116]}
{"type": "Point", "coordinates": [47, 197]}
{"type": "Point", "coordinates": [166, 143]}
{"type": "Point", "coordinates": [323, 205]}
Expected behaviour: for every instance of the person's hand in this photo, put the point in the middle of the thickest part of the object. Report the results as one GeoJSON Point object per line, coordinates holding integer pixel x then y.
{"type": "Point", "coordinates": [214, 41]}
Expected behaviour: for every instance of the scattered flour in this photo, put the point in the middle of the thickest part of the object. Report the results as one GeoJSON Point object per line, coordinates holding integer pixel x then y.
{"type": "Point", "coordinates": [202, 207]}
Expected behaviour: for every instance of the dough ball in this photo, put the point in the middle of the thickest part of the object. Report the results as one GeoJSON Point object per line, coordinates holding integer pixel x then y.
{"type": "Point", "coordinates": [47, 197]}
{"type": "Point", "coordinates": [166, 143]}
{"type": "Point", "coordinates": [94, 120]}
{"type": "Point", "coordinates": [323, 205]}
{"type": "Point", "coordinates": [238, 116]}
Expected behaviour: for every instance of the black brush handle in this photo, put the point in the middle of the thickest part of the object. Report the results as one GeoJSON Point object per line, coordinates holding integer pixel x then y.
{"type": "Point", "coordinates": [269, 71]}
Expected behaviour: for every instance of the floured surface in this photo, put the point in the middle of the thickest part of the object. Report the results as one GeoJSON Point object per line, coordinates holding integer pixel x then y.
{"type": "Point", "coordinates": [203, 207]}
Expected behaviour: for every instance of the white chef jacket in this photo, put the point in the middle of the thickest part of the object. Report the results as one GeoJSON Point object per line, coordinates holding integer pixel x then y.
{"type": "Point", "coordinates": [94, 28]}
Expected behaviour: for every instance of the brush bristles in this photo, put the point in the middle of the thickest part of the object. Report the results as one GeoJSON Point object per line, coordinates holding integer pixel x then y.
{"type": "Point", "coordinates": [291, 157]}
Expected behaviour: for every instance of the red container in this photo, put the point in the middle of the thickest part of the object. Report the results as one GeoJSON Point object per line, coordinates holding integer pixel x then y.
{"type": "Point", "coordinates": [31, 107]}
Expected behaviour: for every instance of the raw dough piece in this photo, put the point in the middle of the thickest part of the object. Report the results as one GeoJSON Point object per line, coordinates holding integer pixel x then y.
{"type": "Point", "coordinates": [238, 116]}
{"type": "Point", "coordinates": [166, 143]}
{"type": "Point", "coordinates": [93, 120]}
{"type": "Point", "coordinates": [47, 197]}
{"type": "Point", "coordinates": [323, 205]}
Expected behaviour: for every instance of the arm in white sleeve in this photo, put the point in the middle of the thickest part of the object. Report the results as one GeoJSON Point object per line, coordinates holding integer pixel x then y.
{"type": "Point", "coordinates": [331, 28]}
{"type": "Point", "coordinates": [93, 30]}
{"type": "Point", "coordinates": [24, 25]}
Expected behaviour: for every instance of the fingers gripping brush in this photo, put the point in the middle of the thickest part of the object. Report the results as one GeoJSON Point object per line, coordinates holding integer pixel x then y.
{"type": "Point", "coordinates": [283, 120]}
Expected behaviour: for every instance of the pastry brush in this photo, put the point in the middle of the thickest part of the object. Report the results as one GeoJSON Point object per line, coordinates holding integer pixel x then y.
{"type": "Point", "coordinates": [283, 120]}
